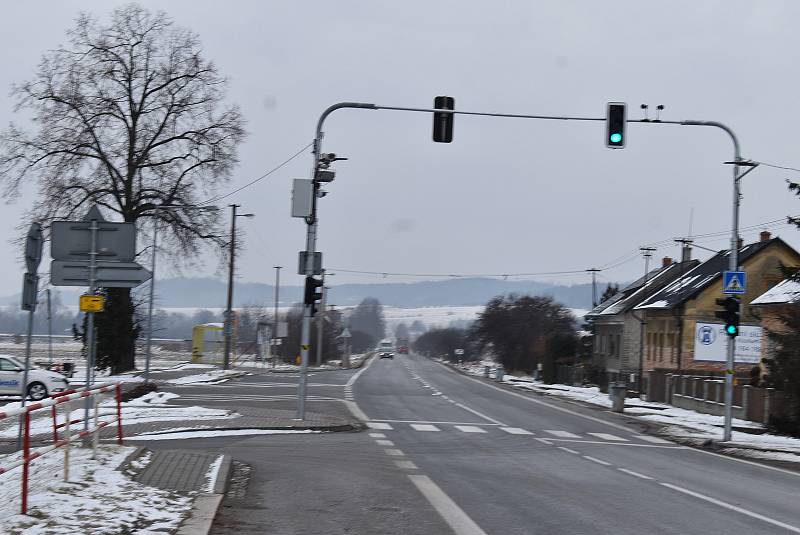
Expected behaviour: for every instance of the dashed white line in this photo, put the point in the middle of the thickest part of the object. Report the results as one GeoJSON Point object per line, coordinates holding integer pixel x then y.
{"type": "Point", "coordinates": [634, 474]}
{"type": "Point", "coordinates": [516, 431]}
{"type": "Point", "coordinates": [379, 425]}
{"type": "Point", "coordinates": [406, 465]}
{"type": "Point", "coordinates": [384, 443]}
{"type": "Point", "coordinates": [425, 427]}
{"type": "Point", "coordinates": [455, 517]}
{"type": "Point", "coordinates": [377, 435]}
{"type": "Point", "coordinates": [394, 453]}
{"type": "Point", "coordinates": [563, 434]}
{"type": "Point", "coordinates": [596, 460]}
{"type": "Point", "coordinates": [568, 450]}
{"type": "Point", "coordinates": [606, 436]}
{"type": "Point", "coordinates": [470, 429]}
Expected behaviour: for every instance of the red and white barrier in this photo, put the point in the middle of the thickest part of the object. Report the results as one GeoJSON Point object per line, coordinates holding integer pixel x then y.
{"type": "Point", "coordinates": [64, 398]}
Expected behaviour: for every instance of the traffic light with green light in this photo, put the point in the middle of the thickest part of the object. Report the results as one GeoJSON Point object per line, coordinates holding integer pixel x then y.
{"type": "Point", "coordinates": [729, 314]}
{"type": "Point", "coordinates": [615, 125]}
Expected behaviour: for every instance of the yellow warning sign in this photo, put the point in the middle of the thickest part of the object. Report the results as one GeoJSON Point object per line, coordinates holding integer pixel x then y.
{"type": "Point", "coordinates": [92, 303]}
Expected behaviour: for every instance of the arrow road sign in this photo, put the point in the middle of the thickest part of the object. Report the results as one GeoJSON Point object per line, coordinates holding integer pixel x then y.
{"type": "Point", "coordinates": [108, 274]}
{"type": "Point", "coordinates": [734, 282]}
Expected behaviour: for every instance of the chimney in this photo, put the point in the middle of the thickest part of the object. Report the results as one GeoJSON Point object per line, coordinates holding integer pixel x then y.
{"type": "Point", "coordinates": [686, 253]}
{"type": "Point", "coordinates": [666, 261]}
{"type": "Point", "coordinates": [765, 236]}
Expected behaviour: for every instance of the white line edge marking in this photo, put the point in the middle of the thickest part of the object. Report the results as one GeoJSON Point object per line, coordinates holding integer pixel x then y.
{"type": "Point", "coordinates": [456, 518]}
{"type": "Point", "coordinates": [568, 450]}
{"type": "Point", "coordinates": [543, 440]}
{"type": "Point", "coordinates": [634, 474]}
{"type": "Point", "coordinates": [352, 406]}
{"type": "Point", "coordinates": [428, 422]}
{"type": "Point", "coordinates": [606, 436]}
{"type": "Point", "coordinates": [662, 446]}
{"type": "Point", "coordinates": [596, 460]}
{"type": "Point", "coordinates": [616, 426]}
{"type": "Point", "coordinates": [735, 508]}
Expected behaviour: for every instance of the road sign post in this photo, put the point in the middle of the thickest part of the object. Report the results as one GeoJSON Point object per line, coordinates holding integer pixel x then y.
{"type": "Point", "coordinates": [30, 286]}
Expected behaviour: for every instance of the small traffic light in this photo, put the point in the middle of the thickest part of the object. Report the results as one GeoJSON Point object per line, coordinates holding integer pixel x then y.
{"type": "Point", "coordinates": [313, 293]}
{"type": "Point", "coordinates": [729, 314]}
{"type": "Point", "coordinates": [615, 125]}
{"type": "Point", "coordinates": [443, 122]}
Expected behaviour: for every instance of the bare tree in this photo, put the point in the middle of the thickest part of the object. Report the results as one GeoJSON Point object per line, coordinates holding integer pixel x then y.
{"type": "Point", "coordinates": [128, 116]}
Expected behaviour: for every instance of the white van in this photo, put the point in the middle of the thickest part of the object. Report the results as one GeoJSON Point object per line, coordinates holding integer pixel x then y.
{"type": "Point", "coordinates": [41, 383]}
{"type": "Point", "coordinates": [386, 349]}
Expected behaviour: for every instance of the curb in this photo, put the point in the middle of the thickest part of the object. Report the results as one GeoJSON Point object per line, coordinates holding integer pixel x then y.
{"type": "Point", "coordinates": [205, 505]}
{"type": "Point", "coordinates": [350, 427]}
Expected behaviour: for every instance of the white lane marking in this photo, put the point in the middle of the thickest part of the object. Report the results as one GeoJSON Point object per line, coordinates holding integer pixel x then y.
{"type": "Point", "coordinates": [654, 440]}
{"type": "Point", "coordinates": [356, 375]}
{"type": "Point", "coordinates": [431, 422]}
{"type": "Point", "coordinates": [596, 460]}
{"type": "Point", "coordinates": [516, 431]}
{"type": "Point", "coordinates": [394, 453]}
{"type": "Point", "coordinates": [470, 429]}
{"type": "Point", "coordinates": [379, 425]}
{"type": "Point", "coordinates": [538, 402]}
{"type": "Point", "coordinates": [568, 450]}
{"type": "Point", "coordinates": [406, 465]}
{"type": "Point", "coordinates": [543, 441]}
{"type": "Point", "coordinates": [456, 518]}
{"type": "Point", "coordinates": [479, 414]}
{"type": "Point", "coordinates": [355, 410]}
{"type": "Point", "coordinates": [425, 427]}
{"type": "Point", "coordinates": [751, 463]}
{"type": "Point", "coordinates": [384, 443]}
{"type": "Point", "coordinates": [377, 435]}
{"type": "Point", "coordinates": [671, 446]}
{"type": "Point", "coordinates": [731, 507]}
{"type": "Point", "coordinates": [634, 474]}
{"type": "Point", "coordinates": [606, 436]}
{"type": "Point", "coordinates": [562, 434]}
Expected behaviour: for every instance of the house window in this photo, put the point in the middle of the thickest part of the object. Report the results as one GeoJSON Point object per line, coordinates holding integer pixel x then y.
{"type": "Point", "coordinates": [660, 347]}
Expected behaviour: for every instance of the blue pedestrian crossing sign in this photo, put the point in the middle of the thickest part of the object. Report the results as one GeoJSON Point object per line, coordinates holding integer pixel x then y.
{"type": "Point", "coordinates": [734, 282]}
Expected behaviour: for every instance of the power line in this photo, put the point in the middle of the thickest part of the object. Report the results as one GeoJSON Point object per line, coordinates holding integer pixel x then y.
{"type": "Point", "coordinates": [262, 177]}
{"type": "Point", "coordinates": [765, 164]}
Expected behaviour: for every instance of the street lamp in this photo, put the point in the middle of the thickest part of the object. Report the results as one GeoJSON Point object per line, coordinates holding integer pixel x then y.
{"type": "Point", "coordinates": [148, 350]}
{"type": "Point", "coordinates": [226, 361]}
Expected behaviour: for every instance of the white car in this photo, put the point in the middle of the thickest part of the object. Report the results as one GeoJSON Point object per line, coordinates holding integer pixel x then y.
{"type": "Point", "coordinates": [41, 383]}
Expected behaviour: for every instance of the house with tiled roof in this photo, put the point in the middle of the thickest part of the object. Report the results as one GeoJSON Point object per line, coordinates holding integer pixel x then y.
{"type": "Point", "coordinates": [682, 332]}
{"type": "Point", "coordinates": [617, 328]}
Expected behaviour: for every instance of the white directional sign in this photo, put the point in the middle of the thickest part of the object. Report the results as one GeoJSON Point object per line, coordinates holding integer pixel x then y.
{"type": "Point", "coordinates": [107, 274]}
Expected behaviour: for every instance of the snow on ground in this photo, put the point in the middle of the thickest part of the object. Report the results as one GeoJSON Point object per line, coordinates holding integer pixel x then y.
{"type": "Point", "coordinates": [98, 499]}
{"type": "Point", "coordinates": [211, 433]}
{"type": "Point", "coordinates": [214, 376]}
{"type": "Point", "coordinates": [679, 423]}
{"type": "Point", "coordinates": [149, 408]}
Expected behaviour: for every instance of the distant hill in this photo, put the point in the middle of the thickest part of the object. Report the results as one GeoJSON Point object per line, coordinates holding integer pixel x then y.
{"type": "Point", "coordinates": [211, 293]}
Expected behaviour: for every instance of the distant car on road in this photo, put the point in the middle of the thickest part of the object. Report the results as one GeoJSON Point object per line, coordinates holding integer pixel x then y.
{"type": "Point", "coordinates": [41, 383]}
{"type": "Point", "coordinates": [386, 349]}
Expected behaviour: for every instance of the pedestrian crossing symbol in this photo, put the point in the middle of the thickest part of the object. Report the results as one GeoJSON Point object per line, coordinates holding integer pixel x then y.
{"type": "Point", "coordinates": [734, 282]}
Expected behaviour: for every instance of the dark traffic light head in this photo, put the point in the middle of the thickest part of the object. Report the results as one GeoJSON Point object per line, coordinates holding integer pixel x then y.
{"type": "Point", "coordinates": [729, 314]}
{"type": "Point", "coordinates": [615, 125]}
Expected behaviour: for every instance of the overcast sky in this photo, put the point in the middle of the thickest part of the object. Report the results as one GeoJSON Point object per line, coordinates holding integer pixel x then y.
{"type": "Point", "coordinates": [508, 195]}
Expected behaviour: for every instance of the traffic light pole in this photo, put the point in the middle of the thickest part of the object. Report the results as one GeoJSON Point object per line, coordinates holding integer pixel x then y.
{"type": "Point", "coordinates": [311, 221]}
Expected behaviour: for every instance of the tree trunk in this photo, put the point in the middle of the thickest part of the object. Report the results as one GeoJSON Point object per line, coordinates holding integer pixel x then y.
{"type": "Point", "coordinates": [117, 331]}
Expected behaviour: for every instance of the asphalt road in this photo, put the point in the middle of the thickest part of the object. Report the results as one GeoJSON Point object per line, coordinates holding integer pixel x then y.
{"type": "Point", "coordinates": [448, 453]}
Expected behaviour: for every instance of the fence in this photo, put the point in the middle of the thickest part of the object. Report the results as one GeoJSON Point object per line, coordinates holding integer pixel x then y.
{"type": "Point", "coordinates": [65, 399]}
{"type": "Point", "coordinates": [706, 394]}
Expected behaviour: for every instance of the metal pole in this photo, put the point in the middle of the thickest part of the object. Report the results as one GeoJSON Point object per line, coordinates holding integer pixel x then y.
{"type": "Point", "coordinates": [148, 351]}
{"type": "Point", "coordinates": [320, 321]}
{"type": "Point", "coordinates": [275, 316]}
{"type": "Point", "coordinates": [49, 331]}
{"type": "Point", "coordinates": [594, 271]}
{"type": "Point", "coordinates": [226, 359]}
{"type": "Point", "coordinates": [90, 343]}
{"type": "Point", "coordinates": [25, 371]}
{"type": "Point", "coordinates": [734, 266]}
{"type": "Point", "coordinates": [643, 323]}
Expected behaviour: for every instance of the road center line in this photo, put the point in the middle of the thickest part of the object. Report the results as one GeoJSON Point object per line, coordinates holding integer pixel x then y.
{"type": "Point", "coordinates": [635, 474]}
{"type": "Point", "coordinates": [731, 507]}
{"type": "Point", "coordinates": [479, 414]}
{"type": "Point", "coordinates": [568, 450]}
{"type": "Point", "coordinates": [596, 460]}
{"type": "Point", "coordinates": [456, 518]}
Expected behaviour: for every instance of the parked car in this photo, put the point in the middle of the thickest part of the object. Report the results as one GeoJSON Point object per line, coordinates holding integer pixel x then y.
{"type": "Point", "coordinates": [41, 383]}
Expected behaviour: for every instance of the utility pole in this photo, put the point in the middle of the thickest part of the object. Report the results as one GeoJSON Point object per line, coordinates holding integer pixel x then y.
{"type": "Point", "coordinates": [594, 271]}
{"type": "Point", "coordinates": [275, 314]}
{"type": "Point", "coordinates": [228, 331]}
{"type": "Point", "coordinates": [148, 346]}
{"type": "Point", "coordinates": [49, 331]}
{"type": "Point", "coordinates": [647, 252]}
